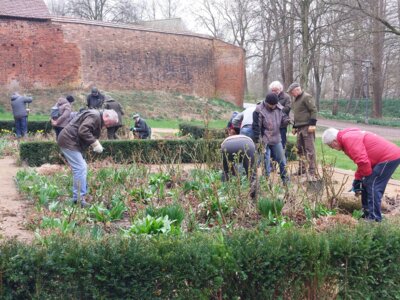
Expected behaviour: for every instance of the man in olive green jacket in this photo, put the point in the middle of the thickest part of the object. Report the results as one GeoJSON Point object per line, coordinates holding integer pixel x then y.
{"type": "Point", "coordinates": [305, 120]}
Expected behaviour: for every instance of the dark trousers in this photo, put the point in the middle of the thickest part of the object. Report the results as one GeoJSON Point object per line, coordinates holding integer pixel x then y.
{"type": "Point", "coordinates": [374, 187]}
{"type": "Point", "coordinates": [58, 130]}
{"type": "Point", "coordinates": [306, 150]}
{"type": "Point", "coordinates": [112, 132]}
{"type": "Point", "coordinates": [21, 126]}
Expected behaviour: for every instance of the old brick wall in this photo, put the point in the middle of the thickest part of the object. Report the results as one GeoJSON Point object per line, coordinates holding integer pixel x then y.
{"type": "Point", "coordinates": [60, 53]}
{"type": "Point", "coordinates": [230, 72]}
{"type": "Point", "coordinates": [114, 58]}
{"type": "Point", "coordinates": [34, 54]}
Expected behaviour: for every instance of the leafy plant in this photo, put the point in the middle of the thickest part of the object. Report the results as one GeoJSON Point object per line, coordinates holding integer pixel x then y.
{"type": "Point", "coordinates": [174, 212]}
{"type": "Point", "coordinates": [150, 225]}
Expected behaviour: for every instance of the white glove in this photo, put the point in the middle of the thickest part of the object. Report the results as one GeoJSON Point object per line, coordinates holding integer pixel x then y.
{"type": "Point", "coordinates": [97, 147]}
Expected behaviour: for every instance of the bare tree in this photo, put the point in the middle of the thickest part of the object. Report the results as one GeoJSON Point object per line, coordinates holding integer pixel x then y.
{"type": "Point", "coordinates": [208, 16]}
{"type": "Point", "coordinates": [57, 7]}
{"type": "Point", "coordinates": [90, 9]}
{"type": "Point", "coordinates": [128, 11]}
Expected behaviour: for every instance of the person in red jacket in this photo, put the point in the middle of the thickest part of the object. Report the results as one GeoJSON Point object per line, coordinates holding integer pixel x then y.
{"type": "Point", "coordinates": [376, 159]}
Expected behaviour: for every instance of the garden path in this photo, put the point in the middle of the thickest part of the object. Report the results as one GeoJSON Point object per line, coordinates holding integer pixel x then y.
{"type": "Point", "coordinates": [13, 209]}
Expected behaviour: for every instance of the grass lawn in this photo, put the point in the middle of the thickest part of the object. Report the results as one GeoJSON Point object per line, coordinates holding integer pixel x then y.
{"type": "Point", "coordinates": [341, 160]}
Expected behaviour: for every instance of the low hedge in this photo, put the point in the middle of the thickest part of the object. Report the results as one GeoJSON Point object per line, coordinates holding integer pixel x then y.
{"type": "Point", "coordinates": [144, 151]}
{"type": "Point", "coordinates": [199, 131]}
{"type": "Point", "coordinates": [33, 126]}
{"type": "Point", "coordinates": [362, 263]}
{"type": "Point", "coordinates": [122, 151]}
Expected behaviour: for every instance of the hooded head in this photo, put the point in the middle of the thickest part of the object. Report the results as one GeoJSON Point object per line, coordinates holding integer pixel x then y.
{"type": "Point", "coordinates": [95, 91]}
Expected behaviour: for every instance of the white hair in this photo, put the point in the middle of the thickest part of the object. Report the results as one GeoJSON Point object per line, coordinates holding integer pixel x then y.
{"type": "Point", "coordinates": [277, 85]}
{"type": "Point", "coordinates": [329, 135]}
{"type": "Point", "coordinates": [111, 115]}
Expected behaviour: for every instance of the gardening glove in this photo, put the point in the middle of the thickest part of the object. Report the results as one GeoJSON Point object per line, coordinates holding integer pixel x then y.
{"type": "Point", "coordinates": [294, 131]}
{"type": "Point", "coordinates": [311, 129]}
{"type": "Point", "coordinates": [97, 147]}
{"type": "Point", "coordinates": [133, 129]}
{"type": "Point", "coordinates": [357, 186]}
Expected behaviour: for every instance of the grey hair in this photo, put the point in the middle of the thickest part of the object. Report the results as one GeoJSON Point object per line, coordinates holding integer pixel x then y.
{"type": "Point", "coordinates": [276, 84]}
{"type": "Point", "coordinates": [329, 135]}
{"type": "Point", "coordinates": [111, 115]}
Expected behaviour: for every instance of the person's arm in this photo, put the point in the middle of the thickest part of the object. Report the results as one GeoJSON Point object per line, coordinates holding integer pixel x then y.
{"type": "Point", "coordinates": [121, 109]}
{"type": "Point", "coordinates": [286, 104]}
{"type": "Point", "coordinates": [237, 120]}
{"type": "Point", "coordinates": [65, 115]}
{"type": "Point", "coordinates": [141, 126]}
{"type": "Point", "coordinates": [354, 147]}
{"type": "Point", "coordinates": [310, 103]}
{"type": "Point", "coordinates": [256, 126]}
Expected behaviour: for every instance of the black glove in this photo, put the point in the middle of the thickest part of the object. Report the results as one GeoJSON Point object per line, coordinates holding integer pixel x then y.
{"type": "Point", "coordinates": [357, 186]}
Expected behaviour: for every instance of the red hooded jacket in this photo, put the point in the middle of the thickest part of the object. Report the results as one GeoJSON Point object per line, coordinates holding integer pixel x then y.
{"type": "Point", "coordinates": [366, 149]}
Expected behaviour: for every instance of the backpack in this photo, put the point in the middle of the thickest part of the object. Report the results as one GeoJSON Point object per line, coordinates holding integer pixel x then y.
{"type": "Point", "coordinates": [55, 112]}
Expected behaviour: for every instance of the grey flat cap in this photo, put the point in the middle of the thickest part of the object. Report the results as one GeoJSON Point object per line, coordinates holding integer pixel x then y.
{"type": "Point", "coordinates": [292, 87]}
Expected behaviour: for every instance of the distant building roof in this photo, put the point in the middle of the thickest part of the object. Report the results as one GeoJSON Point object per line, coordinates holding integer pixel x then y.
{"type": "Point", "coordinates": [27, 9]}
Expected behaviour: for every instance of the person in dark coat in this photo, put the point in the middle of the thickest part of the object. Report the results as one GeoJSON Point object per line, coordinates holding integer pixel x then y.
{"type": "Point", "coordinates": [83, 131]}
{"type": "Point", "coordinates": [141, 127]}
{"type": "Point", "coordinates": [115, 105]}
{"type": "Point", "coordinates": [95, 99]}
{"type": "Point", "coordinates": [20, 112]}
{"type": "Point", "coordinates": [65, 107]}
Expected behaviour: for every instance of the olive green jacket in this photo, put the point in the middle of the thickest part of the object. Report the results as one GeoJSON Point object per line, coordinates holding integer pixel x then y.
{"type": "Point", "coordinates": [304, 110]}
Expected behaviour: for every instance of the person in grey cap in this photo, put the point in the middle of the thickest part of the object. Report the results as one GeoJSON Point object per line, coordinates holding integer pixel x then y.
{"type": "Point", "coordinates": [305, 120]}
{"type": "Point", "coordinates": [20, 112]}
{"type": "Point", "coordinates": [95, 99]}
{"type": "Point", "coordinates": [141, 128]}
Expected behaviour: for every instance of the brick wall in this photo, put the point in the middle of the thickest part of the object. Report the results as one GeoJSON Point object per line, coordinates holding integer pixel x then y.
{"type": "Point", "coordinates": [34, 54]}
{"type": "Point", "coordinates": [41, 54]}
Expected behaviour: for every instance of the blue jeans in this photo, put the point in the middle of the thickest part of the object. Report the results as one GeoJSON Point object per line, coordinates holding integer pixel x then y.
{"type": "Point", "coordinates": [374, 187]}
{"type": "Point", "coordinates": [247, 131]}
{"type": "Point", "coordinates": [79, 172]}
{"type": "Point", "coordinates": [277, 153]}
{"type": "Point", "coordinates": [21, 126]}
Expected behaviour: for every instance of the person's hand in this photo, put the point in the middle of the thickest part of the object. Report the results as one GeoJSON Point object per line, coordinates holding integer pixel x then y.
{"type": "Point", "coordinates": [97, 147]}
{"type": "Point", "coordinates": [28, 110]}
{"type": "Point", "coordinates": [311, 129]}
{"type": "Point", "coordinates": [294, 131]}
{"type": "Point", "coordinates": [133, 129]}
{"type": "Point", "coordinates": [357, 186]}
{"type": "Point", "coordinates": [53, 122]}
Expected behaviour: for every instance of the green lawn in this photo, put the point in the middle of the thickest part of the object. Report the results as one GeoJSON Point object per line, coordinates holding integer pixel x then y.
{"type": "Point", "coordinates": [342, 161]}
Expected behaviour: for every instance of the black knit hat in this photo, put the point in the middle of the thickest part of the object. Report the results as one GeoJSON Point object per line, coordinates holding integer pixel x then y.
{"type": "Point", "coordinates": [70, 98]}
{"type": "Point", "coordinates": [271, 99]}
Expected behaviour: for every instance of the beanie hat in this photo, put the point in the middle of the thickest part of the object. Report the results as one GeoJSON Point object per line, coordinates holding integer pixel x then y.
{"type": "Point", "coordinates": [70, 99]}
{"type": "Point", "coordinates": [271, 99]}
{"type": "Point", "coordinates": [95, 90]}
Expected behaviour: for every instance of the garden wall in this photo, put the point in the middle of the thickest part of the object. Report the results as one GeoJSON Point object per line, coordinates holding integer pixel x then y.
{"type": "Point", "coordinates": [80, 53]}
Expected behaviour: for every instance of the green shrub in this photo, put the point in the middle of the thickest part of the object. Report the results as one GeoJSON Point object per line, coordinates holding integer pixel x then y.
{"type": "Point", "coordinates": [174, 212]}
{"type": "Point", "coordinates": [198, 131]}
{"type": "Point", "coordinates": [33, 126]}
{"type": "Point", "coordinates": [343, 263]}
{"type": "Point", "coordinates": [145, 151]}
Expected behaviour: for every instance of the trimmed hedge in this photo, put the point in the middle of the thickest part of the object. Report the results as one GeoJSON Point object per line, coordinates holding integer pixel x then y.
{"type": "Point", "coordinates": [145, 151]}
{"type": "Point", "coordinates": [362, 263]}
{"type": "Point", "coordinates": [33, 126]}
{"type": "Point", "coordinates": [199, 131]}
